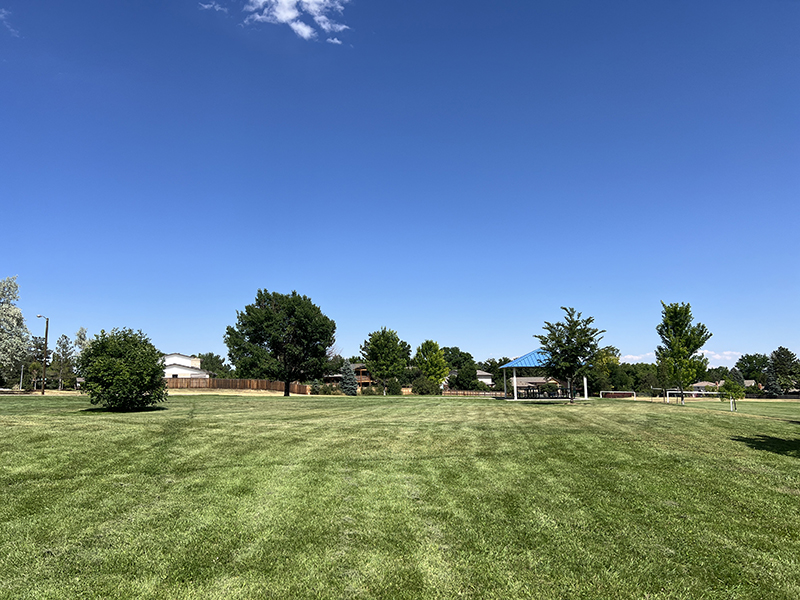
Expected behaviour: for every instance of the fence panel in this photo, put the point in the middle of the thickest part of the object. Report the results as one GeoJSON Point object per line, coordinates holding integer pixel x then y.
{"type": "Point", "coordinates": [186, 383]}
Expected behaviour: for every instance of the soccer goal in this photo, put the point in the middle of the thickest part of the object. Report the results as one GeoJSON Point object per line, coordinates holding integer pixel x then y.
{"type": "Point", "coordinates": [691, 393]}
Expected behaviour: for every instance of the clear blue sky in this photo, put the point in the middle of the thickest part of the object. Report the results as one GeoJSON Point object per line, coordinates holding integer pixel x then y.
{"type": "Point", "coordinates": [454, 170]}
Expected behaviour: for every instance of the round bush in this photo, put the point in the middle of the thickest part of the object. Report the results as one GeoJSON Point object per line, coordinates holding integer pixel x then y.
{"type": "Point", "coordinates": [122, 371]}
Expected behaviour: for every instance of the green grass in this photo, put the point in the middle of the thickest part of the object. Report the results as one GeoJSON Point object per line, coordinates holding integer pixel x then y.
{"type": "Point", "coordinates": [245, 497]}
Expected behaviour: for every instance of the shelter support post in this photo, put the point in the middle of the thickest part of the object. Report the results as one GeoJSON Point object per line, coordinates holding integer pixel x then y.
{"type": "Point", "coordinates": [515, 382]}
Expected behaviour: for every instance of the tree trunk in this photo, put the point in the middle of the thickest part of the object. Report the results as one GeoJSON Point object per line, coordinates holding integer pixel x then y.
{"type": "Point", "coordinates": [286, 386]}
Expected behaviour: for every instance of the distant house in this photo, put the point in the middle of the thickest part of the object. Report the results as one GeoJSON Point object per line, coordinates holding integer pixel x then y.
{"type": "Point", "coordinates": [363, 377]}
{"type": "Point", "coordinates": [180, 366]}
{"type": "Point", "coordinates": [701, 386]}
{"type": "Point", "coordinates": [485, 377]}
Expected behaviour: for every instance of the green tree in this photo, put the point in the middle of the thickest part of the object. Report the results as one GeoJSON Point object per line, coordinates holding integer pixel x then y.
{"type": "Point", "coordinates": [63, 359]}
{"type": "Point", "coordinates": [784, 370]}
{"type": "Point", "coordinates": [493, 366]}
{"type": "Point", "coordinates": [429, 359]}
{"type": "Point", "coordinates": [349, 383]}
{"type": "Point", "coordinates": [731, 389]}
{"type": "Point", "coordinates": [280, 336]}
{"type": "Point", "coordinates": [215, 365]}
{"type": "Point", "coordinates": [385, 355]}
{"type": "Point", "coordinates": [466, 371]}
{"type": "Point", "coordinates": [754, 366]}
{"type": "Point", "coordinates": [680, 345]}
{"type": "Point", "coordinates": [736, 377]}
{"type": "Point", "coordinates": [714, 374]}
{"type": "Point", "coordinates": [14, 335]}
{"type": "Point", "coordinates": [571, 347]}
{"type": "Point", "coordinates": [122, 371]}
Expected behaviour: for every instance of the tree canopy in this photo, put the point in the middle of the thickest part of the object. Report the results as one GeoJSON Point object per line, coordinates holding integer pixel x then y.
{"type": "Point", "coordinates": [122, 371]}
{"type": "Point", "coordinates": [783, 373]}
{"type": "Point", "coordinates": [571, 346]}
{"type": "Point", "coordinates": [429, 359]}
{"type": "Point", "coordinates": [385, 355]}
{"type": "Point", "coordinates": [754, 366]}
{"type": "Point", "coordinates": [215, 365]}
{"type": "Point", "coordinates": [280, 336]}
{"type": "Point", "coordinates": [466, 371]}
{"type": "Point", "coordinates": [680, 345]}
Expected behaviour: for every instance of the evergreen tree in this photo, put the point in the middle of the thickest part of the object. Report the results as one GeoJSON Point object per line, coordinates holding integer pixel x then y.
{"type": "Point", "coordinates": [783, 373]}
{"type": "Point", "coordinates": [349, 385]}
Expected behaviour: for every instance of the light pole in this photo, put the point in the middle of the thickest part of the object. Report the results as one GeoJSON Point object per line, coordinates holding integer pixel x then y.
{"type": "Point", "coordinates": [44, 362]}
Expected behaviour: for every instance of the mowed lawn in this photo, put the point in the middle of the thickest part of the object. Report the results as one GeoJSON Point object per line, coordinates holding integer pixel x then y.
{"type": "Point", "coordinates": [271, 497]}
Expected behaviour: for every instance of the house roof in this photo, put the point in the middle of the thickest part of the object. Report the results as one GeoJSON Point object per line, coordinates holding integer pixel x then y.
{"type": "Point", "coordinates": [536, 358]}
{"type": "Point", "coordinates": [185, 367]}
{"type": "Point", "coordinates": [177, 354]}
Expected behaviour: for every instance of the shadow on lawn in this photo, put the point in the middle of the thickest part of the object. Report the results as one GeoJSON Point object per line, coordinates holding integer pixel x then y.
{"type": "Point", "coordinates": [772, 444]}
{"type": "Point", "coordinates": [103, 409]}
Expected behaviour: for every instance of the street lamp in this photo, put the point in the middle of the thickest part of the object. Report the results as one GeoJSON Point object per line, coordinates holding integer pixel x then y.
{"type": "Point", "coordinates": [46, 329]}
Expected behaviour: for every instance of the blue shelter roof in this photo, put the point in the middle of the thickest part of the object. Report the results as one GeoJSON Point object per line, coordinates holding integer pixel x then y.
{"type": "Point", "coordinates": [537, 358]}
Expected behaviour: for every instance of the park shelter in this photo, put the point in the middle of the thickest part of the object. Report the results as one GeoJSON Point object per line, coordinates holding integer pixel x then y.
{"type": "Point", "coordinates": [537, 358]}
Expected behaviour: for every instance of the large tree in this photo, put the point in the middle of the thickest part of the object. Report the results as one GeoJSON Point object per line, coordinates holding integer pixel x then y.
{"type": "Point", "coordinates": [681, 341]}
{"type": "Point", "coordinates": [783, 371]}
{"type": "Point", "coordinates": [122, 371]}
{"type": "Point", "coordinates": [280, 336]}
{"type": "Point", "coordinates": [466, 371]}
{"type": "Point", "coordinates": [754, 366]}
{"type": "Point", "coordinates": [385, 355]}
{"type": "Point", "coordinates": [571, 346]}
{"type": "Point", "coordinates": [429, 359]}
{"type": "Point", "coordinates": [14, 335]}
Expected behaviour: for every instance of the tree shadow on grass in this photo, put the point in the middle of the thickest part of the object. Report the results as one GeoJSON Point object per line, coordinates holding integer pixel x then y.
{"type": "Point", "coordinates": [103, 409]}
{"type": "Point", "coordinates": [772, 444]}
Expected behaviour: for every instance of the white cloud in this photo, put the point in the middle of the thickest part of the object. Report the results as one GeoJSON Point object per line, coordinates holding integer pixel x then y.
{"type": "Point", "coordinates": [304, 31]}
{"type": "Point", "coordinates": [334, 41]}
{"type": "Point", "coordinates": [213, 6]}
{"type": "Point", "coordinates": [636, 358]}
{"type": "Point", "coordinates": [728, 356]}
{"type": "Point", "coordinates": [297, 13]}
{"type": "Point", "coordinates": [4, 14]}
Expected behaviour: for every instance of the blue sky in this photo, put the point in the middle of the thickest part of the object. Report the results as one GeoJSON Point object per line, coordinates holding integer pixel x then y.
{"type": "Point", "coordinates": [453, 170]}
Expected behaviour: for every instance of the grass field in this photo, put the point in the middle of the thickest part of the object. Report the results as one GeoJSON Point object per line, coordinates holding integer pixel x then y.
{"type": "Point", "coordinates": [271, 497]}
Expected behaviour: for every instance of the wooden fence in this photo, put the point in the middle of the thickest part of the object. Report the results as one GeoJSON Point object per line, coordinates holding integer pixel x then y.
{"type": "Point", "coordinates": [199, 383]}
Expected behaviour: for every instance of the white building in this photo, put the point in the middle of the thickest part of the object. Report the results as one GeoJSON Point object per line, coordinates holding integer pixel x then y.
{"type": "Point", "coordinates": [181, 366]}
{"type": "Point", "coordinates": [485, 377]}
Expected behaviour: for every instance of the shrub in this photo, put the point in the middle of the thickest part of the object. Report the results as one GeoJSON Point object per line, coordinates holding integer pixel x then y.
{"type": "Point", "coordinates": [394, 388]}
{"type": "Point", "coordinates": [423, 386]}
{"type": "Point", "coordinates": [372, 390]}
{"type": "Point", "coordinates": [324, 389]}
{"type": "Point", "coordinates": [122, 371]}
